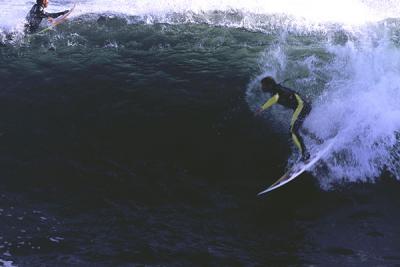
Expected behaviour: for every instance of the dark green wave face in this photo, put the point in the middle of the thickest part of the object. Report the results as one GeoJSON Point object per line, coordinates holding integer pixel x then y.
{"type": "Point", "coordinates": [97, 67]}
{"type": "Point", "coordinates": [137, 50]}
{"type": "Point", "coordinates": [138, 53]}
{"type": "Point", "coordinates": [105, 70]}
{"type": "Point", "coordinates": [158, 91]}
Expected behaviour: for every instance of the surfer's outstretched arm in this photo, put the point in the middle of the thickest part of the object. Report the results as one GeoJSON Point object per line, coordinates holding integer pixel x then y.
{"type": "Point", "coordinates": [268, 104]}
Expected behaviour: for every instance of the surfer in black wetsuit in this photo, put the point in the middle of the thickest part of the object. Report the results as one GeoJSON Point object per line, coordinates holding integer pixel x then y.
{"type": "Point", "coordinates": [37, 13]}
{"type": "Point", "coordinates": [289, 99]}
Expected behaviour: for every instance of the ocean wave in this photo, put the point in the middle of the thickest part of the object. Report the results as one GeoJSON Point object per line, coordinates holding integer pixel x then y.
{"type": "Point", "coordinates": [348, 70]}
{"type": "Point", "coordinates": [352, 81]}
{"type": "Point", "coordinates": [253, 15]}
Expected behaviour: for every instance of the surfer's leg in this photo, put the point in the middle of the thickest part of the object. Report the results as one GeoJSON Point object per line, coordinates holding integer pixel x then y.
{"type": "Point", "coordinates": [297, 138]}
{"type": "Point", "coordinates": [298, 141]}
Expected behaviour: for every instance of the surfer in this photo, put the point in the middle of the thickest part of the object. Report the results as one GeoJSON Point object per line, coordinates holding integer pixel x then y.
{"type": "Point", "coordinates": [292, 100]}
{"type": "Point", "coordinates": [37, 13]}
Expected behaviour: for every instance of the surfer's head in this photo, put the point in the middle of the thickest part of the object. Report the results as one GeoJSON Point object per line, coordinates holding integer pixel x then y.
{"type": "Point", "coordinates": [268, 84]}
{"type": "Point", "coordinates": [43, 3]}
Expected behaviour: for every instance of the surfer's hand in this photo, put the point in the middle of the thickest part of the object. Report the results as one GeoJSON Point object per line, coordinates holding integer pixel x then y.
{"type": "Point", "coordinates": [258, 112]}
{"type": "Point", "coordinates": [50, 19]}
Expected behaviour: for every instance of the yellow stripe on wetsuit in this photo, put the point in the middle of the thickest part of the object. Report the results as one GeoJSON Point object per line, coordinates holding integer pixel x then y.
{"type": "Point", "coordinates": [270, 102]}
{"type": "Point", "coordinates": [294, 118]}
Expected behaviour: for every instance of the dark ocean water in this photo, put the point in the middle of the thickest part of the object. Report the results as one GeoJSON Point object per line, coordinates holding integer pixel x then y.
{"type": "Point", "coordinates": [133, 144]}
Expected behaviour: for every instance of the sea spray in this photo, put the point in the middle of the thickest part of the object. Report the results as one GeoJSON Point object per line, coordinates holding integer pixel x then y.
{"type": "Point", "coordinates": [354, 87]}
{"type": "Point", "coordinates": [247, 14]}
{"type": "Point", "coordinates": [360, 107]}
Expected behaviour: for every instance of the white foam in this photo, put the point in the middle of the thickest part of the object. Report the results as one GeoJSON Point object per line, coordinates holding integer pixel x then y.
{"type": "Point", "coordinates": [7, 263]}
{"type": "Point", "coordinates": [358, 103]}
{"type": "Point", "coordinates": [361, 104]}
{"type": "Point", "coordinates": [344, 11]}
{"type": "Point", "coordinates": [350, 12]}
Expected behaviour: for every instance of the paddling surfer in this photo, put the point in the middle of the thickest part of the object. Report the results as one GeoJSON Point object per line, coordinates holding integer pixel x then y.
{"type": "Point", "coordinates": [292, 100]}
{"type": "Point", "coordinates": [37, 13]}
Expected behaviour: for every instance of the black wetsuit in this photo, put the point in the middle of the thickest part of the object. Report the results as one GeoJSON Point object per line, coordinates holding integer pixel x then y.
{"type": "Point", "coordinates": [292, 100]}
{"type": "Point", "coordinates": [35, 16]}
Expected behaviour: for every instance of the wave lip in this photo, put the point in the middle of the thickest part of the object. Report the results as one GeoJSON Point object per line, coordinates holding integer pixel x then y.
{"type": "Point", "coordinates": [341, 11]}
{"type": "Point", "coordinates": [302, 12]}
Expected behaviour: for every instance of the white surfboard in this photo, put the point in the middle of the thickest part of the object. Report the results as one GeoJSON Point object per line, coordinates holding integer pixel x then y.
{"type": "Point", "coordinates": [299, 167]}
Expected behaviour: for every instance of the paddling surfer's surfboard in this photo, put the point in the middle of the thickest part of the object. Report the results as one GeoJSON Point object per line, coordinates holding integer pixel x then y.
{"type": "Point", "coordinates": [56, 21]}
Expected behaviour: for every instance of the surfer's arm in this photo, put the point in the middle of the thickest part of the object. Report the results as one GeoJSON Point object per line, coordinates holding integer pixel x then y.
{"type": "Point", "coordinates": [39, 13]}
{"type": "Point", "coordinates": [268, 104]}
{"type": "Point", "coordinates": [55, 15]}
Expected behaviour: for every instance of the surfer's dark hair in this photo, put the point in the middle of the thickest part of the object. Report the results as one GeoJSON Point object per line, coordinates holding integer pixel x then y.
{"type": "Point", "coordinates": [268, 82]}
{"type": "Point", "coordinates": [39, 2]}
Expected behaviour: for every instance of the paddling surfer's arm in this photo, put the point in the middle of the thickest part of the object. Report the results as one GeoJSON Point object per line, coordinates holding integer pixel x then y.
{"type": "Point", "coordinates": [51, 16]}
{"type": "Point", "coordinates": [38, 12]}
{"type": "Point", "coordinates": [55, 15]}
